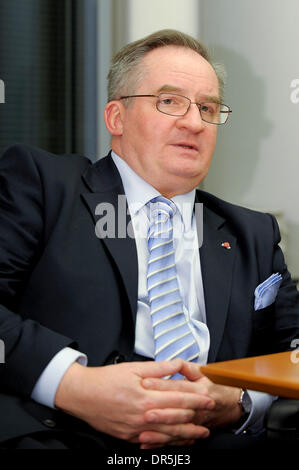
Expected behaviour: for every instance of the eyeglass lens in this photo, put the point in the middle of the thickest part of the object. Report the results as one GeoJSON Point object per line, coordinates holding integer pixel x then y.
{"type": "Point", "coordinates": [177, 105]}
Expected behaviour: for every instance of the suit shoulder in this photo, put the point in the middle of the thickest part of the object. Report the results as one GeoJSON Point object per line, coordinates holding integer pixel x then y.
{"type": "Point", "coordinates": [41, 156]}
{"type": "Point", "coordinates": [234, 212]}
{"type": "Point", "coordinates": [22, 163]}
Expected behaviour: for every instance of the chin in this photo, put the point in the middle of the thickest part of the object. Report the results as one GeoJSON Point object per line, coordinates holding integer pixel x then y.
{"type": "Point", "coordinates": [181, 183]}
{"type": "Point", "coordinates": [189, 172]}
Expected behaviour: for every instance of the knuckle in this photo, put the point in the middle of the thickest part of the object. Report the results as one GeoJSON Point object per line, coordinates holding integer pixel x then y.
{"type": "Point", "coordinates": [125, 435]}
{"type": "Point", "coordinates": [184, 401]}
{"type": "Point", "coordinates": [188, 416]}
{"type": "Point", "coordinates": [154, 382]}
{"type": "Point", "coordinates": [119, 398]}
{"type": "Point", "coordinates": [138, 421]}
{"type": "Point", "coordinates": [169, 419]}
{"type": "Point", "coordinates": [177, 431]}
{"type": "Point", "coordinates": [147, 404]}
{"type": "Point", "coordinates": [202, 433]}
{"type": "Point", "coordinates": [188, 431]}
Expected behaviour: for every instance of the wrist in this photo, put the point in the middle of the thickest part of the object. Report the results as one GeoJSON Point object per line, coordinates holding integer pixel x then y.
{"type": "Point", "coordinates": [69, 387]}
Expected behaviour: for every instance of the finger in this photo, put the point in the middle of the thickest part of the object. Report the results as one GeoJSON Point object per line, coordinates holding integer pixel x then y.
{"type": "Point", "coordinates": [180, 443]}
{"type": "Point", "coordinates": [175, 399]}
{"type": "Point", "coordinates": [173, 384]}
{"type": "Point", "coordinates": [189, 442]}
{"type": "Point", "coordinates": [169, 416]}
{"type": "Point", "coordinates": [191, 370]}
{"type": "Point", "coordinates": [153, 446]}
{"type": "Point", "coordinates": [158, 369]}
{"type": "Point", "coordinates": [166, 433]}
{"type": "Point", "coordinates": [153, 438]}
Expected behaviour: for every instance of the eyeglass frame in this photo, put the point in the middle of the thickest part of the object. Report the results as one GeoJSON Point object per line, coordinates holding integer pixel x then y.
{"type": "Point", "coordinates": [199, 105]}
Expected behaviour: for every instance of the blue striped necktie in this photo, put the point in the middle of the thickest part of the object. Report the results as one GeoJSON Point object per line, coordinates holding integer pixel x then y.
{"type": "Point", "coordinates": [172, 333]}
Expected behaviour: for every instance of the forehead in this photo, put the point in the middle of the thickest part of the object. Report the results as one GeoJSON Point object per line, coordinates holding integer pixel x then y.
{"type": "Point", "coordinates": [179, 67]}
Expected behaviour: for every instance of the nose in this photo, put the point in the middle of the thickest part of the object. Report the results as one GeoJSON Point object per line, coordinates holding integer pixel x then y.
{"type": "Point", "coordinates": [192, 119]}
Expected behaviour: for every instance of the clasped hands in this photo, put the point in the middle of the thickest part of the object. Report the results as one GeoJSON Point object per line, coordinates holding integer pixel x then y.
{"type": "Point", "coordinates": [132, 401]}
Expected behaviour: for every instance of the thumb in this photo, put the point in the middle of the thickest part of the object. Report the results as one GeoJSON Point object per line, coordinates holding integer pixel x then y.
{"type": "Point", "coordinates": [191, 371]}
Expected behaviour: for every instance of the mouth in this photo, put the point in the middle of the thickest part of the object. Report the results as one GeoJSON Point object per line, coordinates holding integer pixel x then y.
{"type": "Point", "coordinates": [187, 146]}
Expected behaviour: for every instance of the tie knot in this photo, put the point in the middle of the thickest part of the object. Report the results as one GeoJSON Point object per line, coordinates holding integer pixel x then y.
{"type": "Point", "coordinates": [161, 208]}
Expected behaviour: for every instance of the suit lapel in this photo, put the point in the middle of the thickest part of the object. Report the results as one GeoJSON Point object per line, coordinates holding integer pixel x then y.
{"type": "Point", "coordinates": [107, 194]}
{"type": "Point", "coordinates": [217, 268]}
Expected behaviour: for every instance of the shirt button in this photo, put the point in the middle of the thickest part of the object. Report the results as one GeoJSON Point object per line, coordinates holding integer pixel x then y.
{"type": "Point", "coordinates": [49, 423]}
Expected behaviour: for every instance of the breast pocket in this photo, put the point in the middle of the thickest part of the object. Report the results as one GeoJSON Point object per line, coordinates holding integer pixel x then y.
{"type": "Point", "coordinates": [263, 331]}
{"type": "Point", "coordinates": [264, 317]}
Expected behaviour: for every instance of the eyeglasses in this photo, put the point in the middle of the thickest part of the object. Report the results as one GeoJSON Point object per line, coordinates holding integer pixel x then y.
{"type": "Point", "coordinates": [178, 105]}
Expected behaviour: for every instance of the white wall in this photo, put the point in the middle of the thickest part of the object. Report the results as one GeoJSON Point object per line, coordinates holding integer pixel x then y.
{"type": "Point", "coordinates": [147, 16]}
{"type": "Point", "coordinates": [256, 163]}
{"type": "Point", "coordinates": [257, 158]}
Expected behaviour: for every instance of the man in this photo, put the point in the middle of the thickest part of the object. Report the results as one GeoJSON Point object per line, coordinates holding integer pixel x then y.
{"type": "Point", "coordinates": [69, 293]}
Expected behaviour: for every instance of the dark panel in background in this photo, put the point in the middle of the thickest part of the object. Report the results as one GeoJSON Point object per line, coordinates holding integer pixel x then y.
{"type": "Point", "coordinates": [42, 60]}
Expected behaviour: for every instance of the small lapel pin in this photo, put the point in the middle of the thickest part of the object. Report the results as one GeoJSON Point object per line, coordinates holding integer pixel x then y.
{"type": "Point", "coordinates": [226, 245]}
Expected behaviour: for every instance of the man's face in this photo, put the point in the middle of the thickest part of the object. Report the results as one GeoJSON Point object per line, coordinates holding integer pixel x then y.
{"type": "Point", "coordinates": [156, 145]}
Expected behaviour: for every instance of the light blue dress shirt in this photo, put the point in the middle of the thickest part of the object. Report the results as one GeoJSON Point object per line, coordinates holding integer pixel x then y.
{"type": "Point", "coordinates": [138, 193]}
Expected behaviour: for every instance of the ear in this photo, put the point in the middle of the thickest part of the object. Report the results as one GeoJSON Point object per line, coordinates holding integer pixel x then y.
{"type": "Point", "coordinates": [113, 115]}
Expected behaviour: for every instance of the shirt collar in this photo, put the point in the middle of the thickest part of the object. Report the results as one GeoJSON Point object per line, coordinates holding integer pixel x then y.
{"type": "Point", "coordinates": [139, 192]}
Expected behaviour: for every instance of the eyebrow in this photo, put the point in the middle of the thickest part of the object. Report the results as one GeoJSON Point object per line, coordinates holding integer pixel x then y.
{"type": "Point", "coordinates": [170, 88]}
{"type": "Point", "coordinates": [174, 89]}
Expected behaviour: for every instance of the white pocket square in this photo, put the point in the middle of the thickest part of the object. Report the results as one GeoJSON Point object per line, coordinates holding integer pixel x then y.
{"type": "Point", "coordinates": [266, 292]}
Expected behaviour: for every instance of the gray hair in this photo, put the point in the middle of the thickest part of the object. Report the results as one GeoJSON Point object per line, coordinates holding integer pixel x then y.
{"type": "Point", "coordinates": [125, 74]}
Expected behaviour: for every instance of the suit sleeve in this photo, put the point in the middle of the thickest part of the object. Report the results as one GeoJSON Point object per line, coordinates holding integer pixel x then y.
{"type": "Point", "coordinates": [29, 346]}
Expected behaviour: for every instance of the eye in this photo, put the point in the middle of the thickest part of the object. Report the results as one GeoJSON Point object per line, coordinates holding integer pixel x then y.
{"type": "Point", "coordinates": [210, 108]}
{"type": "Point", "coordinates": [168, 101]}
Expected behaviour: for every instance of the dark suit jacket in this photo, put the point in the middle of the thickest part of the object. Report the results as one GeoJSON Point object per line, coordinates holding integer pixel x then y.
{"type": "Point", "coordinates": [60, 285]}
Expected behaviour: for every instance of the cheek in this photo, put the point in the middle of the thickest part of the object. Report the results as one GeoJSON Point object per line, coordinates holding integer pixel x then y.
{"type": "Point", "coordinates": [144, 132]}
{"type": "Point", "coordinates": [207, 146]}
{"type": "Point", "coordinates": [212, 138]}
